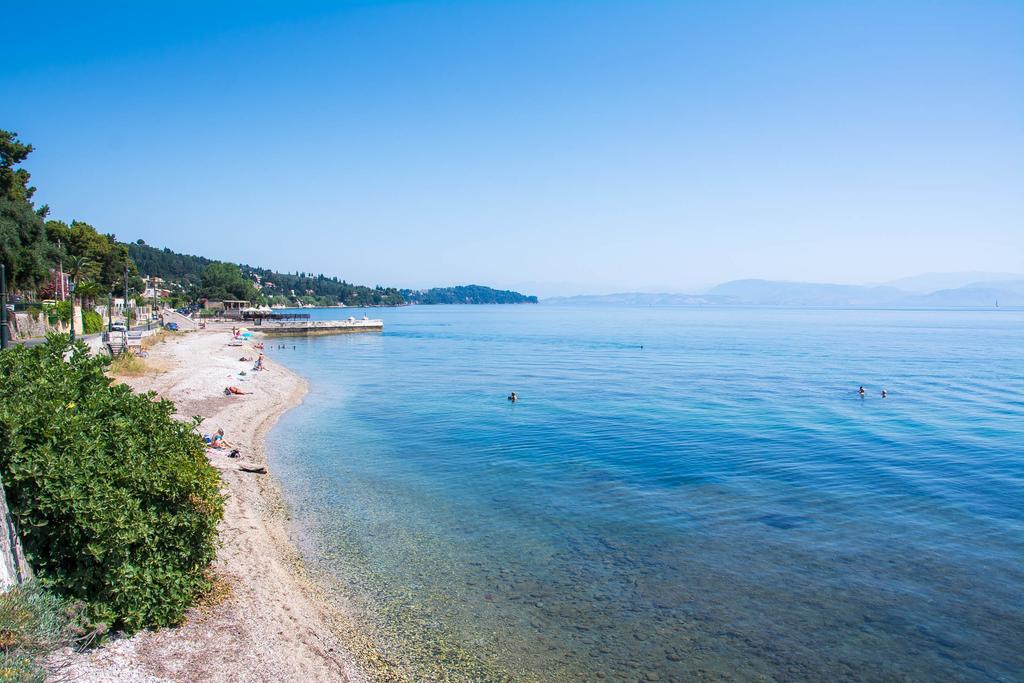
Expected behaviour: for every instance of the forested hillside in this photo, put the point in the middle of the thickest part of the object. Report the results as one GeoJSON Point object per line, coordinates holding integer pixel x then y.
{"type": "Point", "coordinates": [182, 268]}
{"type": "Point", "coordinates": [265, 285]}
{"type": "Point", "coordinates": [467, 294]}
{"type": "Point", "coordinates": [36, 250]}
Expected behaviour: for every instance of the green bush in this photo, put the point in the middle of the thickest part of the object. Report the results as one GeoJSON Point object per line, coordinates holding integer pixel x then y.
{"type": "Point", "coordinates": [92, 322]}
{"type": "Point", "coordinates": [115, 501]}
{"type": "Point", "coordinates": [58, 312]}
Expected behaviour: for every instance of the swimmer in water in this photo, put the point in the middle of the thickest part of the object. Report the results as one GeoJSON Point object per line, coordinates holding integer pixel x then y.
{"type": "Point", "coordinates": [861, 392]}
{"type": "Point", "coordinates": [513, 397]}
{"type": "Point", "coordinates": [884, 393]}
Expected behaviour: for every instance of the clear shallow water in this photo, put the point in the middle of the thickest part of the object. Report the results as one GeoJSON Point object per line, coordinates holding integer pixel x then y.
{"type": "Point", "coordinates": [719, 504]}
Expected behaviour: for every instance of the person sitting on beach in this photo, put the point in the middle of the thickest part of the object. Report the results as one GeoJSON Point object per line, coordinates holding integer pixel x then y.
{"type": "Point", "coordinates": [219, 441]}
{"type": "Point", "coordinates": [259, 363]}
{"type": "Point", "coordinates": [861, 392]}
{"type": "Point", "coordinates": [235, 390]}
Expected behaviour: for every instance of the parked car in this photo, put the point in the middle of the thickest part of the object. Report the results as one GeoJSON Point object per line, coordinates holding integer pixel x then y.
{"type": "Point", "coordinates": [173, 327]}
{"type": "Point", "coordinates": [118, 327]}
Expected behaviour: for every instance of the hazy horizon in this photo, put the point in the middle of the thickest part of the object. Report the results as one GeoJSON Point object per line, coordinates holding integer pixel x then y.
{"type": "Point", "coordinates": [558, 290]}
{"type": "Point", "coordinates": [556, 148]}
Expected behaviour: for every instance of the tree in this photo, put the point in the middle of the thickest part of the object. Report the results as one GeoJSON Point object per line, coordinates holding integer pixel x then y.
{"type": "Point", "coordinates": [89, 291]}
{"type": "Point", "coordinates": [78, 267]}
{"type": "Point", "coordinates": [222, 281]}
{"type": "Point", "coordinates": [107, 256]}
{"type": "Point", "coordinates": [22, 237]}
{"type": "Point", "coordinates": [14, 181]}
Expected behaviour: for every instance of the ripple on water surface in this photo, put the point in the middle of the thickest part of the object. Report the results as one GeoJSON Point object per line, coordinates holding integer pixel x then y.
{"type": "Point", "coordinates": [717, 504]}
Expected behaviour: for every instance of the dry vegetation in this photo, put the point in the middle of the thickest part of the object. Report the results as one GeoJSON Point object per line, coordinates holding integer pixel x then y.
{"type": "Point", "coordinates": [220, 590]}
{"type": "Point", "coordinates": [158, 337]}
{"type": "Point", "coordinates": [128, 365]}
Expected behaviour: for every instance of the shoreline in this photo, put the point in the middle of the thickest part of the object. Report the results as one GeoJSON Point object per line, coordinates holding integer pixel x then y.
{"type": "Point", "coordinates": [265, 620]}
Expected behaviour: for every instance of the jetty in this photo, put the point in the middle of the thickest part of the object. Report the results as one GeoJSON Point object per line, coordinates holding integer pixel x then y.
{"type": "Point", "coordinates": [294, 327]}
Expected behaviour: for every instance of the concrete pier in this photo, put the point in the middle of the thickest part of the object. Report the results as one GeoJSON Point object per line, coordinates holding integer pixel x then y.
{"type": "Point", "coordinates": [312, 327]}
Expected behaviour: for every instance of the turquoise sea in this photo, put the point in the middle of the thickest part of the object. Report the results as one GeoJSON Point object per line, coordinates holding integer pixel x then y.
{"type": "Point", "coordinates": [680, 494]}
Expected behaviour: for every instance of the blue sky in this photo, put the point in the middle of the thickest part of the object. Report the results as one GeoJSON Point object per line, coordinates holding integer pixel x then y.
{"type": "Point", "coordinates": [558, 147]}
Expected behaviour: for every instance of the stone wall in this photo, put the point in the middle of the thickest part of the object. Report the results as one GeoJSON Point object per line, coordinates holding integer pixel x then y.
{"type": "Point", "coordinates": [27, 326]}
{"type": "Point", "coordinates": [13, 567]}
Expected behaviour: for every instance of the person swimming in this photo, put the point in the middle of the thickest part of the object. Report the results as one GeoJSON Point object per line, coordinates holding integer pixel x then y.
{"type": "Point", "coordinates": [884, 393]}
{"type": "Point", "coordinates": [861, 392]}
{"type": "Point", "coordinates": [513, 397]}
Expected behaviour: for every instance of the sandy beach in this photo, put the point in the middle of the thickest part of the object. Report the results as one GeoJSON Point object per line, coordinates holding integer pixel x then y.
{"type": "Point", "coordinates": [264, 620]}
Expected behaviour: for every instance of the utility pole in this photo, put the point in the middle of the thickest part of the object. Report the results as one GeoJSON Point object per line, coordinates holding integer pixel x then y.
{"type": "Point", "coordinates": [4, 330]}
{"type": "Point", "coordinates": [71, 286]}
{"type": "Point", "coordinates": [127, 321]}
{"type": "Point", "coordinates": [110, 312]}
{"type": "Point", "coordinates": [60, 274]}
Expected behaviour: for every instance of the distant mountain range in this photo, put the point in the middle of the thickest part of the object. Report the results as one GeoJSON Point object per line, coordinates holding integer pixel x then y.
{"type": "Point", "coordinates": [933, 282]}
{"type": "Point", "coordinates": [973, 290]}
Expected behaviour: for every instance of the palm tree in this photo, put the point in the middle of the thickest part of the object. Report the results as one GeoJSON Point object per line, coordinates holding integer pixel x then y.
{"type": "Point", "coordinates": [89, 291]}
{"type": "Point", "coordinates": [78, 267]}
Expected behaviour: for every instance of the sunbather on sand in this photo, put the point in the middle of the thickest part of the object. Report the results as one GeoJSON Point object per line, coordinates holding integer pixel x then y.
{"type": "Point", "coordinates": [219, 441]}
{"type": "Point", "coordinates": [235, 390]}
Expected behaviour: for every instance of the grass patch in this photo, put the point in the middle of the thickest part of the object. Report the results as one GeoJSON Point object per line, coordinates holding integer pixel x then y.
{"type": "Point", "coordinates": [158, 337]}
{"type": "Point", "coordinates": [33, 624]}
{"type": "Point", "coordinates": [128, 365]}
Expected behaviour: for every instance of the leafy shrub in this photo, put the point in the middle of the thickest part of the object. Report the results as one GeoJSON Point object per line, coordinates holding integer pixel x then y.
{"type": "Point", "coordinates": [115, 501]}
{"type": "Point", "coordinates": [92, 322]}
{"type": "Point", "coordinates": [58, 312]}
